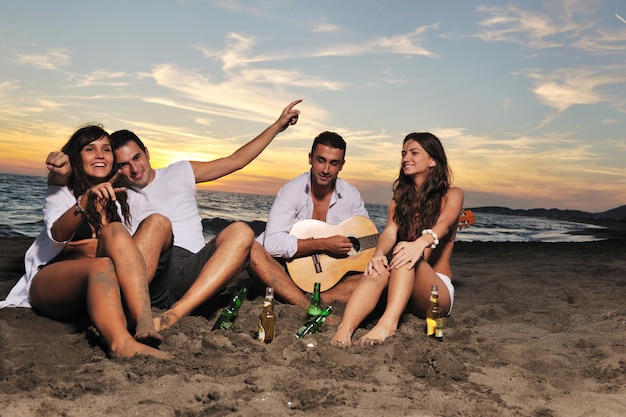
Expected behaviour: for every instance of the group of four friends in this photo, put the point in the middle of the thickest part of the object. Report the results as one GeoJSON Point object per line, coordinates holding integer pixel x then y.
{"type": "Point", "coordinates": [121, 237]}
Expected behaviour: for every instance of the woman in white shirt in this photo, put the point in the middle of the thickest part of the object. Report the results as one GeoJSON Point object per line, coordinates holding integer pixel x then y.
{"type": "Point", "coordinates": [86, 259]}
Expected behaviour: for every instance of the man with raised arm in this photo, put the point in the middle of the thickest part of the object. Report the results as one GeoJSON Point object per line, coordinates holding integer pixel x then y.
{"type": "Point", "coordinates": [197, 270]}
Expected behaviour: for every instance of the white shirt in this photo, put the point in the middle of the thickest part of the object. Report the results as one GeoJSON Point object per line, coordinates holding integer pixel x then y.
{"type": "Point", "coordinates": [44, 248]}
{"type": "Point", "coordinates": [293, 203]}
{"type": "Point", "coordinates": [172, 194]}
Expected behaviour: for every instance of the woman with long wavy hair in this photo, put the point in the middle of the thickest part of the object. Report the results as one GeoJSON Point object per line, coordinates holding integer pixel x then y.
{"type": "Point", "coordinates": [418, 239]}
{"type": "Point", "coordinates": [85, 258]}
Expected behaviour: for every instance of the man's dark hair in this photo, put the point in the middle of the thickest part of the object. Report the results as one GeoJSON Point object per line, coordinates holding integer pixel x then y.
{"type": "Point", "coordinates": [122, 137]}
{"type": "Point", "coordinates": [331, 139]}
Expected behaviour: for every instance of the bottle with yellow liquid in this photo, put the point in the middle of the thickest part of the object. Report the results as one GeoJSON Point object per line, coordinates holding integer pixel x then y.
{"type": "Point", "coordinates": [267, 319]}
{"type": "Point", "coordinates": [434, 316]}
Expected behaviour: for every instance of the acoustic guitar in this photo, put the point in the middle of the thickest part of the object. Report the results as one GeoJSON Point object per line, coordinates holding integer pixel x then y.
{"type": "Point", "coordinates": [327, 269]}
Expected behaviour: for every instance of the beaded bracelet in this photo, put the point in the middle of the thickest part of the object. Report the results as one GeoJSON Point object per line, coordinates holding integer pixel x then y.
{"type": "Point", "coordinates": [433, 234]}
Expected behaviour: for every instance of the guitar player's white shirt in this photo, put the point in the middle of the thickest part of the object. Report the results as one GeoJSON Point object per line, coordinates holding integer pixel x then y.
{"type": "Point", "coordinates": [293, 203]}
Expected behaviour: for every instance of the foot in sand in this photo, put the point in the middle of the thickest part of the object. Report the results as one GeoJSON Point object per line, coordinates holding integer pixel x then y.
{"type": "Point", "coordinates": [146, 333]}
{"type": "Point", "coordinates": [368, 342]}
{"type": "Point", "coordinates": [132, 348]}
{"type": "Point", "coordinates": [377, 335]}
{"type": "Point", "coordinates": [152, 339]}
{"type": "Point", "coordinates": [342, 337]}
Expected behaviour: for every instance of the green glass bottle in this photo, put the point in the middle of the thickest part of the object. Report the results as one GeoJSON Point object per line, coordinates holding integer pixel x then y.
{"type": "Point", "coordinates": [313, 325]}
{"type": "Point", "coordinates": [315, 308]}
{"type": "Point", "coordinates": [267, 319]}
{"type": "Point", "coordinates": [229, 314]}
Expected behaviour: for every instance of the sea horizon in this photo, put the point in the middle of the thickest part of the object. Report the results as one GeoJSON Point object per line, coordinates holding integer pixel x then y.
{"type": "Point", "coordinates": [22, 196]}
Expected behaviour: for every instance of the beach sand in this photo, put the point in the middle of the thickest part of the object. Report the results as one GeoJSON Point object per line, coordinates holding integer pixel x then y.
{"type": "Point", "coordinates": [538, 329]}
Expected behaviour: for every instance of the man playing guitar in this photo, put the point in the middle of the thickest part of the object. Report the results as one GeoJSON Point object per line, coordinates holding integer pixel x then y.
{"type": "Point", "coordinates": [319, 195]}
{"type": "Point", "coordinates": [319, 229]}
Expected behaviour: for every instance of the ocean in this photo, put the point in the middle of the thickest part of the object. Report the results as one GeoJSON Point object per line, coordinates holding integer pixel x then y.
{"type": "Point", "coordinates": [21, 201]}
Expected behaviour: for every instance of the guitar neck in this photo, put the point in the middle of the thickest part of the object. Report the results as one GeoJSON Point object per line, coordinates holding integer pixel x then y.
{"type": "Point", "coordinates": [368, 242]}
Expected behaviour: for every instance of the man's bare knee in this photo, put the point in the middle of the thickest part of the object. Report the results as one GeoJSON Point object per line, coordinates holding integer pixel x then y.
{"type": "Point", "coordinates": [258, 255]}
{"type": "Point", "coordinates": [157, 222]}
{"type": "Point", "coordinates": [261, 261]}
{"type": "Point", "coordinates": [237, 230]}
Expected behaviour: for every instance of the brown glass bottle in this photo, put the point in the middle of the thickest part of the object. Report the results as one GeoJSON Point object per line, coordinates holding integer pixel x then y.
{"type": "Point", "coordinates": [434, 316]}
{"type": "Point", "coordinates": [267, 319]}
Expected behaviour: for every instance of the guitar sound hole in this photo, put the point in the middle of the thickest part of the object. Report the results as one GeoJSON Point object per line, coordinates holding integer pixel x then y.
{"type": "Point", "coordinates": [356, 246]}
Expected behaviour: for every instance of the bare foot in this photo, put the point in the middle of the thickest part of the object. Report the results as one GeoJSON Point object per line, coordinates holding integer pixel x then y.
{"type": "Point", "coordinates": [145, 332]}
{"type": "Point", "coordinates": [368, 342]}
{"type": "Point", "coordinates": [377, 335]}
{"type": "Point", "coordinates": [342, 337]}
{"type": "Point", "coordinates": [153, 339]}
{"type": "Point", "coordinates": [132, 348]}
{"type": "Point", "coordinates": [165, 320]}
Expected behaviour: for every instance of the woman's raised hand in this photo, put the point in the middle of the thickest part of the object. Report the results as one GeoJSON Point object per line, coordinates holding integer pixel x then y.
{"type": "Point", "coordinates": [104, 191]}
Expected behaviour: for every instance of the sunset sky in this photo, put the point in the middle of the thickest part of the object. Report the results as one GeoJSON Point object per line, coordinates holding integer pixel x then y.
{"type": "Point", "coordinates": [528, 98]}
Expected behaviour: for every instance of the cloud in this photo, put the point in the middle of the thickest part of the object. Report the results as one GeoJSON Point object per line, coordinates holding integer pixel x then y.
{"type": "Point", "coordinates": [325, 27]}
{"type": "Point", "coordinates": [400, 44]}
{"type": "Point", "coordinates": [522, 27]}
{"type": "Point", "coordinates": [566, 24]}
{"type": "Point", "coordinates": [103, 78]}
{"type": "Point", "coordinates": [243, 98]}
{"type": "Point", "coordinates": [566, 87]}
{"type": "Point", "coordinates": [53, 59]}
{"type": "Point", "coordinates": [238, 7]}
{"type": "Point", "coordinates": [238, 51]}
{"type": "Point", "coordinates": [281, 78]}
{"type": "Point", "coordinates": [243, 78]}
{"type": "Point", "coordinates": [546, 167]}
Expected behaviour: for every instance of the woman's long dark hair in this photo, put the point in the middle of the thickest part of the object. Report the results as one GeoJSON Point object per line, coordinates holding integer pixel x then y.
{"type": "Point", "coordinates": [419, 208]}
{"type": "Point", "coordinates": [79, 181]}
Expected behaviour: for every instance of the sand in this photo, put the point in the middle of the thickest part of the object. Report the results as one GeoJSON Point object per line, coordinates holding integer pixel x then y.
{"type": "Point", "coordinates": [538, 329]}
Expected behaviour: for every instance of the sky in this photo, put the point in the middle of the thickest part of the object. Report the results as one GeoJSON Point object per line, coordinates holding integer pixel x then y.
{"type": "Point", "coordinates": [527, 97]}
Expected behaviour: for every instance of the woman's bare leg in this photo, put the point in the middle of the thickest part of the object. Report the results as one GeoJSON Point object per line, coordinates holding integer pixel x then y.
{"type": "Point", "coordinates": [420, 297]}
{"type": "Point", "coordinates": [66, 288]}
{"type": "Point", "coordinates": [398, 294]}
{"type": "Point", "coordinates": [407, 288]}
{"type": "Point", "coordinates": [362, 302]}
{"type": "Point", "coordinates": [116, 243]}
